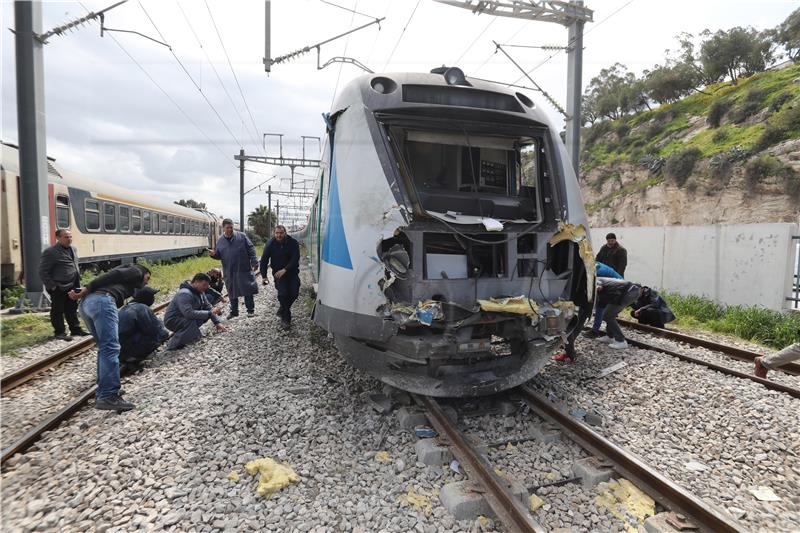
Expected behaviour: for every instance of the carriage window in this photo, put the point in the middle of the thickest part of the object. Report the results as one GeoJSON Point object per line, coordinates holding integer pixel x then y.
{"type": "Point", "coordinates": [171, 222]}
{"type": "Point", "coordinates": [183, 226]}
{"type": "Point", "coordinates": [109, 217]}
{"type": "Point", "coordinates": [164, 223]}
{"type": "Point", "coordinates": [92, 214]}
{"type": "Point", "coordinates": [146, 221]}
{"type": "Point", "coordinates": [196, 227]}
{"type": "Point", "coordinates": [136, 214]}
{"type": "Point", "coordinates": [62, 211]}
{"type": "Point", "coordinates": [124, 218]}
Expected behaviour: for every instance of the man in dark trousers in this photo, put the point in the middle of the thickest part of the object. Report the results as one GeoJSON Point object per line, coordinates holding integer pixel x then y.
{"type": "Point", "coordinates": [282, 252]}
{"type": "Point", "coordinates": [58, 270]}
{"type": "Point", "coordinates": [100, 300]}
{"type": "Point", "coordinates": [239, 262]}
{"type": "Point", "coordinates": [140, 331]}
{"type": "Point", "coordinates": [613, 254]}
{"type": "Point", "coordinates": [651, 309]}
{"type": "Point", "coordinates": [189, 310]}
{"type": "Point", "coordinates": [615, 295]}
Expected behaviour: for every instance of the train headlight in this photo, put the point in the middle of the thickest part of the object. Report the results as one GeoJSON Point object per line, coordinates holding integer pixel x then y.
{"type": "Point", "coordinates": [383, 85]}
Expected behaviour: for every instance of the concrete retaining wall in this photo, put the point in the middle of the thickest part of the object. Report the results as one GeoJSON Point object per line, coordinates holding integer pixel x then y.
{"type": "Point", "coordinates": [746, 264]}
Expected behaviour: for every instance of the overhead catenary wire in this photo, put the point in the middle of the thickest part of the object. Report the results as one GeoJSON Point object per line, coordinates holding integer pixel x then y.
{"type": "Point", "coordinates": [402, 33]}
{"type": "Point", "coordinates": [235, 77]}
{"type": "Point", "coordinates": [494, 53]}
{"type": "Point", "coordinates": [455, 63]}
{"type": "Point", "coordinates": [346, 44]}
{"type": "Point", "coordinates": [169, 97]}
{"type": "Point", "coordinates": [197, 86]}
{"type": "Point", "coordinates": [353, 10]}
{"type": "Point", "coordinates": [216, 73]}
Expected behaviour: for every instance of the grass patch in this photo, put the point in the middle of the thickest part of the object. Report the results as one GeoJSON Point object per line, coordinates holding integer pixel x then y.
{"type": "Point", "coordinates": [625, 190]}
{"type": "Point", "coordinates": [757, 324]}
{"type": "Point", "coordinates": [167, 276]}
{"type": "Point", "coordinates": [21, 331]}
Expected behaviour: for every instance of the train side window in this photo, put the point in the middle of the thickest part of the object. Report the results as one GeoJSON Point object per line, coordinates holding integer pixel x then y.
{"type": "Point", "coordinates": [196, 227]}
{"type": "Point", "coordinates": [163, 223]}
{"type": "Point", "coordinates": [109, 217]}
{"type": "Point", "coordinates": [92, 215]}
{"type": "Point", "coordinates": [124, 218]}
{"type": "Point", "coordinates": [171, 222]}
{"type": "Point", "coordinates": [183, 226]}
{"type": "Point", "coordinates": [146, 221]}
{"type": "Point", "coordinates": [155, 223]}
{"type": "Point", "coordinates": [62, 211]}
{"type": "Point", "coordinates": [136, 220]}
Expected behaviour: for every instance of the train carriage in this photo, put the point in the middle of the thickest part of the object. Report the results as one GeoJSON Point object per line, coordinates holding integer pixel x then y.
{"type": "Point", "coordinates": [447, 237]}
{"type": "Point", "coordinates": [109, 224]}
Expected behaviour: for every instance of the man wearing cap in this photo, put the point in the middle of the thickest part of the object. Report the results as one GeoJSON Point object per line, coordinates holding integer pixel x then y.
{"type": "Point", "coordinates": [140, 331]}
{"type": "Point", "coordinates": [189, 310]}
{"type": "Point", "coordinates": [613, 254]}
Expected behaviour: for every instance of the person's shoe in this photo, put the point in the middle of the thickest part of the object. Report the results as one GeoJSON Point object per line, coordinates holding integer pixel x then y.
{"type": "Point", "coordinates": [591, 334]}
{"type": "Point", "coordinates": [251, 314]}
{"type": "Point", "coordinates": [605, 339]}
{"type": "Point", "coordinates": [80, 333]}
{"type": "Point", "coordinates": [760, 370]}
{"type": "Point", "coordinates": [113, 403]}
{"type": "Point", "coordinates": [279, 312]}
{"type": "Point", "coordinates": [562, 357]}
{"type": "Point", "coordinates": [232, 315]}
{"type": "Point", "coordinates": [618, 345]}
{"type": "Point", "coordinates": [286, 324]}
{"type": "Point", "coordinates": [62, 337]}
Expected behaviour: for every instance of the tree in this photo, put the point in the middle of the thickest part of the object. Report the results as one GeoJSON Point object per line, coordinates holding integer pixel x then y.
{"type": "Point", "coordinates": [671, 82]}
{"type": "Point", "coordinates": [735, 52]}
{"type": "Point", "coordinates": [613, 93]}
{"type": "Point", "coordinates": [191, 203]}
{"type": "Point", "coordinates": [260, 221]}
{"type": "Point", "coordinates": [787, 35]}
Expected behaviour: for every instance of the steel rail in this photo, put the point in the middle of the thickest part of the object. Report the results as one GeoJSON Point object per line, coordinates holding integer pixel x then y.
{"type": "Point", "coordinates": [16, 378]}
{"type": "Point", "coordinates": [772, 385]}
{"type": "Point", "coordinates": [52, 421]}
{"type": "Point", "coordinates": [508, 509]}
{"type": "Point", "coordinates": [706, 517]}
{"type": "Point", "coordinates": [736, 353]}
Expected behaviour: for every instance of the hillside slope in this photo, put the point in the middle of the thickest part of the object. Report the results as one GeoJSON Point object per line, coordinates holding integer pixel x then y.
{"type": "Point", "coordinates": [730, 154]}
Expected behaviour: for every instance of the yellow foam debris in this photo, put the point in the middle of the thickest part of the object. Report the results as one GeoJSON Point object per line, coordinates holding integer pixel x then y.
{"type": "Point", "coordinates": [535, 502]}
{"type": "Point", "coordinates": [382, 456]}
{"type": "Point", "coordinates": [483, 521]}
{"type": "Point", "coordinates": [498, 471]}
{"type": "Point", "coordinates": [623, 499]}
{"type": "Point", "coordinates": [274, 476]}
{"type": "Point", "coordinates": [550, 476]}
{"type": "Point", "coordinates": [420, 502]}
{"type": "Point", "coordinates": [234, 476]}
{"type": "Point", "coordinates": [577, 233]}
{"type": "Point", "coordinates": [510, 447]}
{"type": "Point", "coordinates": [564, 305]}
{"type": "Point", "coordinates": [520, 305]}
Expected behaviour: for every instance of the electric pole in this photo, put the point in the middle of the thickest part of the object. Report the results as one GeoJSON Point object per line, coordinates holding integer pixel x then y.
{"type": "Point", "coordinates": [35, 221]}
{"type": "Point", "coordinates": [269, 211]}
{"type": "Point", "coordinates": [241, 188]}
{"type": "Point", "coordinates": [571, 14]}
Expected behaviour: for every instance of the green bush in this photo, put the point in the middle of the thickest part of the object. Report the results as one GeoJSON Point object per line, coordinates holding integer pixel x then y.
{"type": "Point", "coordinates": [720, 136]}
{"type": "Point", "coordinates": [717, 111]}
{"type": "Point", "coordinates": [598, 130]}
{"type": "Point", "coordinates": [759, 168]}
{"type": "Point", "coordinates": [768, 327]}
{"type": "Point", "coordinates": [622, 130]}
{"type": "Point", "coordinates": [721, 168]}
{"type": "Point", "coordinates": [11, 294]}
{"type": "Point", "coordinates": [744, 110]}
{"type": "Point", "coordinates": [679, 164]}
{"type": "Point", "coordinates": [771, 135]}
{"type": "Point", "coordinates": [793, 185]}
{"type": "Point", "coordinates": [654, 129]}
{"type": "Point", "coordinates": [778, 101]}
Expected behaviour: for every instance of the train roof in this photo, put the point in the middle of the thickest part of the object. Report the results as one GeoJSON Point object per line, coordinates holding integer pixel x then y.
{"type": "Point", "coordinates": [109, 191]}
{"type": "Point", "coordinates": [443, 88]}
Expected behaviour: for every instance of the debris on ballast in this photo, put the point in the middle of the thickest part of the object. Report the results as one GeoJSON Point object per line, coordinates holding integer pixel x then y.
{"type": "Point", "coordinates": [273, 475]}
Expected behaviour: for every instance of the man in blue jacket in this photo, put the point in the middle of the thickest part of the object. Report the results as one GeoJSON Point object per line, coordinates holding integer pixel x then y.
{"type": "Point", "coordinates": [189, 310]}
{"type": "Point", "coordinates": [282, 252]}
{"type": "Point", "coordinates": [239, 263]}
{"type": "Point", "coordinates": [603, 271]}
{"type": "Point", "coordinates": [141, 332]}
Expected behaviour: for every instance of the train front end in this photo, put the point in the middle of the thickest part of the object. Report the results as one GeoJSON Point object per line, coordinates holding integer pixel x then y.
{"type": "Point", "coordinates": [448, 235]}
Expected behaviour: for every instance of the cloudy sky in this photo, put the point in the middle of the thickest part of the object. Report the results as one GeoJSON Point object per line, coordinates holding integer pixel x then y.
{"type": "Point", "coordinates": [124, 109]}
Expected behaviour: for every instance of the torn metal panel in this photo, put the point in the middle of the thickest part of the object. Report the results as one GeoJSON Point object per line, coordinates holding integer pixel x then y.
{"type": "Point", "coordinates": [577, 234]}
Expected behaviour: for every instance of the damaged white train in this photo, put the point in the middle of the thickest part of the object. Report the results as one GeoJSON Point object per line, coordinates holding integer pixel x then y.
{"type": "Point", "coordinates": [448, 235]}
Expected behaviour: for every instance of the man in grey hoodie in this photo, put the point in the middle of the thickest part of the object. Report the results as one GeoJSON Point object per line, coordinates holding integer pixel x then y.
{"type": "Point", "coordinates": [189, 310]}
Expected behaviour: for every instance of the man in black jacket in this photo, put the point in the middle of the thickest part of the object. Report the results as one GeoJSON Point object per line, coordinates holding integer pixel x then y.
{"type": "Point", "coordinates": [282, 252]}
{"type": "Point", "coordinates": [188, 310]}
{"type": "Point", "coordinates": [613, 254]}
{"type": "Point", "coordinates": [140, 331]}
{"type": "Point", "coordinates": [615, 295]}
{"type": "Point", "coordinates": [101, 299]}
{"type": "Point", "coordinates": [58, 270]}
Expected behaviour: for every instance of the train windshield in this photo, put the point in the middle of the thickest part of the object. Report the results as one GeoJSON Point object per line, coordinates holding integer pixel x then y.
{"type": "Point", "coordinates": [474, 175]}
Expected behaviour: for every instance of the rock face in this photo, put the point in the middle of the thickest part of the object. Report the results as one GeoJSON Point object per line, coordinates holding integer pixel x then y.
{"type": "Point", "coordinates": [629, 195]}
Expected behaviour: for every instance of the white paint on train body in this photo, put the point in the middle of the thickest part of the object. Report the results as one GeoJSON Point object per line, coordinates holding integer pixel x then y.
{"type": "Point", "coordinates": [421, 170]}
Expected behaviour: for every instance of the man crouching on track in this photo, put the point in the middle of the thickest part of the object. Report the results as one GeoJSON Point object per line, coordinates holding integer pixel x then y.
{"type": "Point", "coordinates": [283, 252]}
{"type": "Point", "coordinates": [100, 300]}
{"type": "Point", "coordinates": [140, 331]}
{"type": "Point", "coordinates": [189, 310]}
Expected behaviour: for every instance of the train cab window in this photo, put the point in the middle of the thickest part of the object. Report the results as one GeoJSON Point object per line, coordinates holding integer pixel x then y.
{"type": "Point", "coordinates": [163, 223]}
{"type": "Point", "coordinates": [171, 222]}
{"type": "Point", "coordinates": [136, 220]}
{"type": "Point", "coordinates": [62, 211]}
{"type": "Point", "coordinates": [109, 217]}
{"type": "Point", "coordinates": [146, 222]}
{"type": "Point", "coordinates": [92, 215]}
{"type": "Point", "coordinates": [472, 174]}
{"type": "Point", "coordinates": [124, 218]}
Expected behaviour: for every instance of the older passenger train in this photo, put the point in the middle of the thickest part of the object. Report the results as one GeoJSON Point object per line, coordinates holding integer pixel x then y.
{"type": "Point", "coordinates": [109, 224]}
{"type": "Point", "coordinates": [448, 237]}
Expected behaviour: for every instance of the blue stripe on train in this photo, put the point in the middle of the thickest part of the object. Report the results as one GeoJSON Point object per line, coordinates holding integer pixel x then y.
{"type": "Point", "coordinates": [334, 248]}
